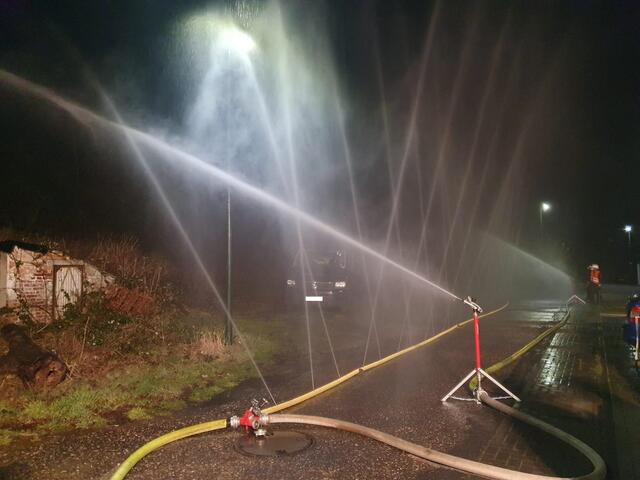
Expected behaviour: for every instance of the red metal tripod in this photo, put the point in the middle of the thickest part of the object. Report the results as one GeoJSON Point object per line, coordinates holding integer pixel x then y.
{"type": "Point", "coordinates": [478, 371]}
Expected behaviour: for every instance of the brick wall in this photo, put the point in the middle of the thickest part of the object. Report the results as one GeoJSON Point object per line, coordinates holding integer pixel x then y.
{"type": "Point", "coordinates": [30, 282]}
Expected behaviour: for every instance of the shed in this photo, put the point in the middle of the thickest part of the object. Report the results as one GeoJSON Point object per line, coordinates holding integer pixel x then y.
{"type": "Point", "coordinates": [39, 282]}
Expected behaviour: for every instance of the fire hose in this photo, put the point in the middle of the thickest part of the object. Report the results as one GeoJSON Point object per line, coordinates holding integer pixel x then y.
{"type": "Point", "coordinates": [259, 421]}
{"type": "Point", "coordinates": [463, 464]}
{"type": "Point", "coordinates": [256, 420]}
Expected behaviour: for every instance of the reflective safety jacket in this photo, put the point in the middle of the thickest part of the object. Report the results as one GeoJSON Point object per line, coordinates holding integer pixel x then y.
{"type": "Point", "coordinates": [595, 277]}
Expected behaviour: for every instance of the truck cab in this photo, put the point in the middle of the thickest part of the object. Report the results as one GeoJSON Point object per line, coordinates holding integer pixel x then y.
{"type": "Point", "coordinates": [318, 276]}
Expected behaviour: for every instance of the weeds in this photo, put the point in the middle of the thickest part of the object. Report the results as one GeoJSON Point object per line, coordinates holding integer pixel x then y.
{"type": "Point", "coordinates": [138, 413]}
{"type": "Point", "coordinates": [208, 346]}
{"type": "Point", "coordinates": [168, 379]}
{"type": "Point", "coordinates": [123, 367]}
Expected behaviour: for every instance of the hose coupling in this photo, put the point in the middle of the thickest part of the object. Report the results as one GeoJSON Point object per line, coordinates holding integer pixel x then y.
{"type": "Point", "coordinates": [234, 422]}
{"type": "Point", "coordinates": [252, 419]}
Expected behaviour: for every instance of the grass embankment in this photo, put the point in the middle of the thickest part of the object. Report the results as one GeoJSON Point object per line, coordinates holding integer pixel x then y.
{"type": "Point", "coordinates": [123, 369]}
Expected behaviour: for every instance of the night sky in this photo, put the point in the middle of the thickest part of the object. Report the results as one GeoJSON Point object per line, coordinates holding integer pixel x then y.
{"type": "Point", "coordinates": [576, 84]}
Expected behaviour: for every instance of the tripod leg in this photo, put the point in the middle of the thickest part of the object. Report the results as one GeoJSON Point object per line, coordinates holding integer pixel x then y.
{"type": "Point", "coordinates": [453, 390]}
{"type": "Point", "coordinates": [504, 389]}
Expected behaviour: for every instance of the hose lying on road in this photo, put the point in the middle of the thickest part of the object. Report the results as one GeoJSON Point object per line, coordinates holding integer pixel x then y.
{"type": "Point", "coordinates": [599, 468]}
{"type": "Point", "coordinates": [470, 466]}
{"type": "Point", "coordinates": [124, 468]}
{"type": "Point", "coordinates": [517, 354]}
{"type": "Point", "coordinates": [156, 443]}
{"type": "Point", "coordinates": [463, 464]}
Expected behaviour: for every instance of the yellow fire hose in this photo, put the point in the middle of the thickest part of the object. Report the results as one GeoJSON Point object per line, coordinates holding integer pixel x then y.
{"type": "Point", "coordinates": [158, 442]}
{"type": "Point", "coordinates": [470, 466]}
{"type": "Point", "coordinates": [515, 355]}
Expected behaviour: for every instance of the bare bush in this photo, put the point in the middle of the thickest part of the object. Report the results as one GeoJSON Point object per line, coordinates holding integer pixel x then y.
{"type": "Point", "coordinates": [209, 345]}
{"type": "Point", "coordinates": [123, 257]}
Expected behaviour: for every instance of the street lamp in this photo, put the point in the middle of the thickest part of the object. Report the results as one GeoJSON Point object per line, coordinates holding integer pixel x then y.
{"type": "Point", "coordinates": [628, 229]}
{"type": "Point", "coordinates": [233, 40]}
{"type": "Point", "coordinates": [229, 51]}
{"type": "Point", "coordinates": [544, 207]}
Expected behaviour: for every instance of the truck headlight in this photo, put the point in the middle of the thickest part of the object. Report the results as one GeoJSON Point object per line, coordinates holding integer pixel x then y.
{"type": "Point", "coordinates": [291, 283]}
{"type": "Point", "coordinates": [340, 284]}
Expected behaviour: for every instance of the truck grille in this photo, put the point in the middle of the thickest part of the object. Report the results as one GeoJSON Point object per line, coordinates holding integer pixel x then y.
{"type": "Point", "coordinates": [320, 287]}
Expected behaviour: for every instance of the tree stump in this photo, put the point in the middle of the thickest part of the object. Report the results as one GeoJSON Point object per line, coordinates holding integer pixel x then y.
{"type": "Point", "coordinates": [31, 363]}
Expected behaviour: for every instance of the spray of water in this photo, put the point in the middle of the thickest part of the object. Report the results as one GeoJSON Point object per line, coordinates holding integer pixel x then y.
{"type": "Point", "coordinates": [488, 89]}
{"type": "Point", "coordinates": [283, 67]}
{"type": "Point", "coordinates": [113, 111]}
{"type": "Point", "coordinates": [202, 168]}
{"type": "Point", "coordinates": [144, 163]}
{"type": "Point", "coordinates": [356, 212]}
{"type": "Point", "coordinates": [230, 123]}
{"type": "Point", "coordinates": [270, 108]}
{"type": "Point", "coordinates": [491, 152]}
{"type": "Point", "coordinates": [408, 143]}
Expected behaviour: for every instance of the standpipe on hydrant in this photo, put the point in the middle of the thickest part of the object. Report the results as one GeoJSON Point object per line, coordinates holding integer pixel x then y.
{"type": "Point", "coordinates": [253, 420]}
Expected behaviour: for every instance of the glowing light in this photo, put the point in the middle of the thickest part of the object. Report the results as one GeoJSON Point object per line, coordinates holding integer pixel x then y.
{"type": "Point", "coordinates": [215, 30]}
{"type": "Point", "coordinates": [545, 207]}
{"type": "Point", "coordinates": [628, 228]}
{"type": "Point", "coordinates": [237, 40]}
{"type": "Point", "coordinates": [341, 284]}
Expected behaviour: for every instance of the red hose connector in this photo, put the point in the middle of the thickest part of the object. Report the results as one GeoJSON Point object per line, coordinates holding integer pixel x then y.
{"type": "Point", "coordinates": [251, 419]}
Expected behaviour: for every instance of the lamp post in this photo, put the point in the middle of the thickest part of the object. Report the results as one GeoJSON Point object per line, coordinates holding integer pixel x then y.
{"type": "Point", "coordinates": [240, 44]}
{"type": "Point", "coordinates": [544, 207]}
{"type": "Point", "coordinates": [628, 229]}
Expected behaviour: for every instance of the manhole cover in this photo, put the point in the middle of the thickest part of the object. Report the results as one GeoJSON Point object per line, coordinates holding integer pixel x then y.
{"type": "Point", "coordinates": [275, 444]}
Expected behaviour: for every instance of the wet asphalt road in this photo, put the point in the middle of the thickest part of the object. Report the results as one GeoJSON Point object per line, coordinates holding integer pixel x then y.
{"type": "Point", "coordinates": [401, 398]}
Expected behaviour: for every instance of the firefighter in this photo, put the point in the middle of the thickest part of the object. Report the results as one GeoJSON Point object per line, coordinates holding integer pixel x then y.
{"type": "Point", "coordinates": [593, 288]}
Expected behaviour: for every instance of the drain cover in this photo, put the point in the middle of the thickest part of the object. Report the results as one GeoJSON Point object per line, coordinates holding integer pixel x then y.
{"type": "Point", "coordinates": [274, 444]}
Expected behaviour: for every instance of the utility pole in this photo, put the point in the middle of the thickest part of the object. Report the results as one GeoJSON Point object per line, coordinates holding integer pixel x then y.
{"type": "Point", "coordinates": [228, 325]}
{"type": "Point", "coordinates": [240, 44]}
